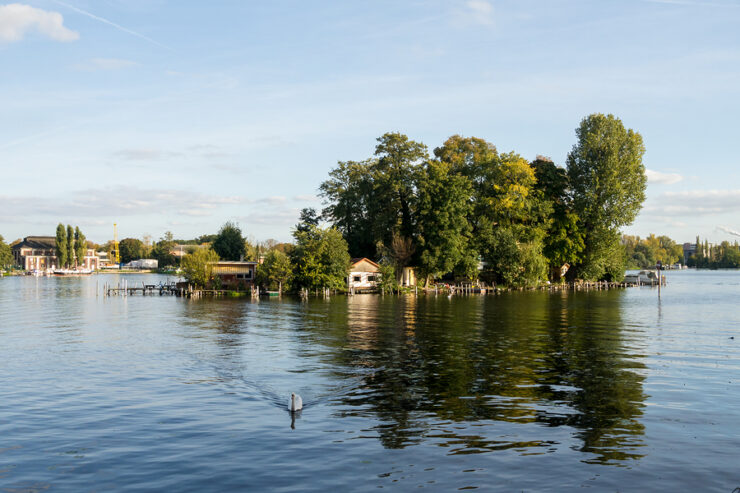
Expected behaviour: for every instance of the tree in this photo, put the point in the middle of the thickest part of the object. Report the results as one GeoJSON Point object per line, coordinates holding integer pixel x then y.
{"type": "Point", "coordinates": [61, 245]}
{"type": "Point", "coordinates": [80, 245]}
{"type": "Point", "coordinates": [308, 218]}
{"type": "Point", "coordinates": [443, 229]}
{"type": "Point", "coordinates": [608, 181]}
{"type": "Point", "coordinates": [320, 258]}
{"type": "Point", "coordinates": [399, 159]}
{"type": "Point", "coordinates": [387, 274]}
{"type": "Point", "coordinates": [71, 260]}
{"type": "Point", "coordinates": [130, 249]}
{"type": "Point", "coordinates": [197, 267]}
{"type": "Point", "coordinates": [229, 243]}
{"type": "Point", "coordinates": [6, 255]}
{"type": "Point", "coordinates": [275, 272]}
{"type": "Point", "coordinates": [349, 192]}
{"type": "Point", "coordinates": [162, 250]}
{"type": "Point", "coordinates": [563, 241]}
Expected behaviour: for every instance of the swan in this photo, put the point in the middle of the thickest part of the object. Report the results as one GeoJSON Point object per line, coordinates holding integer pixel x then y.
{"type": "Point", "coordinates": [296, 403]}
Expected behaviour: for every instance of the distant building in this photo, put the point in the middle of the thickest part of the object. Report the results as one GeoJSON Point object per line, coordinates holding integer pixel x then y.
{"type": "Point", "coordinates": [689, 249]}
{"type": "Point", "coordinates": [235, 274]}
{"type": "Point", "coordinates": [364, 274]}
{"type": "Point", "coordinates": [142, 264]}
{"type": "Point", "coordinates": [40, 253]}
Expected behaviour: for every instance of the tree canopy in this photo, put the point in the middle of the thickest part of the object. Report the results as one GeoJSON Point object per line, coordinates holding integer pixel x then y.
{"type": "Point", "coordinates": [229, 243]}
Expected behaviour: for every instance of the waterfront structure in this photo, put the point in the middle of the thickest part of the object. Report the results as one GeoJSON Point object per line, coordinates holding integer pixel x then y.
{"type": "Point", "coordinates": [234, 273]}
{"type": "Point", "coordinates": [364, 274]}
{"type": "Point", "coordinates": [39, 253]}
{"type": "Point", "coordinates": [407, 277]}
{"type": "Point", "coordinates": [142, 264]}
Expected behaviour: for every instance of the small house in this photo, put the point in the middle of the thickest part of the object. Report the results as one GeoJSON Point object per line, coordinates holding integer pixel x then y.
{"type": "Point", "coordinates": [234, 274]}
{"type": "Point", "coordinates": [364, 275]}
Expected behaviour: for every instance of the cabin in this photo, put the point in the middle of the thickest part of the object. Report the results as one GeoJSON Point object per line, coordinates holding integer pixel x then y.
{"type": "Point", "coordinates": [40, 253]}
{"type": "Point", "coordinates": [234, 274]}
{"type": "Point", "coordinates": [363, 275]}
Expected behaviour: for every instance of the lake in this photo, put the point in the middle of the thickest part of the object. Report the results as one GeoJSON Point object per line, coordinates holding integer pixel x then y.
{"type": "Point", "coordinates": [617, 390]}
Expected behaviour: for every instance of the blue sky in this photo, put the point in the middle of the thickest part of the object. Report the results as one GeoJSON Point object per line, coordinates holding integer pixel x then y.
{"type": "Point", "coordinates": [180, 115]}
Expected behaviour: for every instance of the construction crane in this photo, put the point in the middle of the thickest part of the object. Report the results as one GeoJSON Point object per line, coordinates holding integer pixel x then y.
{"type": "Point", "coordinates": [115, 253]}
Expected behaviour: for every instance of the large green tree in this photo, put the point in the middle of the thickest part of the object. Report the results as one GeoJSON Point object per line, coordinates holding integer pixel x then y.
{"type": "Point", "coordinates": [80, 246]}
{"type": "Point", "coordinates": [229, 243]}
{"type": "Point", "coordinates": [443, 230]}
{"type": "Point", "coordinates": [162, 250]}
{"type": "Point", "coordinates": [275, 272]}
{"type": "Point", "coordinates": [130, 249]}
{"type": "Point", "coordinates": [563, 241]}
{"type": "Point", "coordinates": [197, 267]}
{"type": "Point", "coordinates": [350, 196]}
{"type": "Point", "coordinates": [608, 183]}
{"type": "Point", "coordinates": [61, 246]}
{"type": "Point", "coordinates": [320, 259]}
{"type": "Point", "coordinates": [71, 260]}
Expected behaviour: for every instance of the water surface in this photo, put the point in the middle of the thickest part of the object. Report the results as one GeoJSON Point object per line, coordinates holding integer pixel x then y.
{"type": "Point", "coordinates": [610, 390]}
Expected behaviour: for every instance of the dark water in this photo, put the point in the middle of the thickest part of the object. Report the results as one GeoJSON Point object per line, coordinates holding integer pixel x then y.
{"type": "Point", "coordinates": [613, 391]}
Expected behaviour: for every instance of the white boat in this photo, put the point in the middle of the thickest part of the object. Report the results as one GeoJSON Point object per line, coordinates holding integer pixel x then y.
{"type": "Point", "coordinates": [73, 272]}
{"type": "Point", "coordinates": [644, 277]}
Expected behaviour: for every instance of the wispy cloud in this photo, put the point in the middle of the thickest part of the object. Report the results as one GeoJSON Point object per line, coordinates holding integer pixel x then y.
{"type": "Point", "coordinates": [113, 24]}
{"type": "Point", "coordinates": [662, 178]}
{"type": "Point", "coordinates": [17, 19]}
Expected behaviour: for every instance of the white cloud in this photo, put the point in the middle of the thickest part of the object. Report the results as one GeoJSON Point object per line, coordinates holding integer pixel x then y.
{"type": "Point", "coordinates": [694, 203]}
{"type": "Point", "coordinates": [480, 11]}
{"type": "Point", "coordinates": [17, 19]}
{"type": "Point", "coordinates": [662, 178]}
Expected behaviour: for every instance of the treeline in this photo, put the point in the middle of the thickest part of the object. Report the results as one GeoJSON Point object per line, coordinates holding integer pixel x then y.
{"type": "Point", "coordinates": [647, 252]}
{"type": "Point", "coordinates": [477, 213]}
{"type": "Point", "coordinates": [726, 255]}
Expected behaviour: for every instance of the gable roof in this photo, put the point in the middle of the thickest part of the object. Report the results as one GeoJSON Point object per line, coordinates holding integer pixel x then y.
{"type": "Point", "coordinates": [37, 242]}
{"type": "Point", "coordinates": [357, 260]}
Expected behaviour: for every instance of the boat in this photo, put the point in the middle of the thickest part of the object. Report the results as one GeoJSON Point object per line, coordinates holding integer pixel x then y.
{"type": "Point", "coordinates": [642, 278]}
{"type": "Point", "coordinates": [73, 272]}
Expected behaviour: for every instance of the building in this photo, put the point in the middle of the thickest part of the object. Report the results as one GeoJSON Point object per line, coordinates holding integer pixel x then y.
{"type": "Point", "coordinates": [234, 274]}
{"type": "Point", "coordinates": [689, 249]}
{"type": "Point", "coordinates": [142, 264]}
{"type": "Point", "coordinates": [40, 253]}
{"type": "Point", "coordinates": [364, 275]}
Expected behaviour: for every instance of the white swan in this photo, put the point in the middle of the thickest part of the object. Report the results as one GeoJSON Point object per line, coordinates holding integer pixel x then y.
{"type": "Point", "coordinates": [296, 403]}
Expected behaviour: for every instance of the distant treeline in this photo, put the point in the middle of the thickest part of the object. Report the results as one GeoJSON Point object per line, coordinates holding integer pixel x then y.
{"type": "Point", "coordinates": [726, 255]}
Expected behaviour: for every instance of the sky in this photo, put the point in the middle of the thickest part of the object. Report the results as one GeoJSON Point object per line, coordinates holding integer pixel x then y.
{"type": "Point", "coordinates": [164, 115]}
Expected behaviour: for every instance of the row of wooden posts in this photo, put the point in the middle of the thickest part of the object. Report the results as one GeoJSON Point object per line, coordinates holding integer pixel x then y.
{"type": "Point", "coordinates": [123, 288]}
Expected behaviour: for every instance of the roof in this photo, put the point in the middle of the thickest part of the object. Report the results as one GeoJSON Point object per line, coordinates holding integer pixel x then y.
{"type": "Point", "coordinates": [357, 260]}
{"type": "Point", "coordinates": [37, 242]}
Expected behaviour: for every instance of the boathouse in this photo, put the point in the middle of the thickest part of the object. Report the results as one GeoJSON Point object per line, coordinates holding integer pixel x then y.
{"type": "Point", "coordinates": [364, 275]}
{"type": "Point", "coordinates": [234, 274]}
{"type": "Point", "coordinates": [40, 253]}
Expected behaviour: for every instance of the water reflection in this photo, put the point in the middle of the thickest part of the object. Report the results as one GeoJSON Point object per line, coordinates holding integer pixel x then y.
{"type": "Point", "coordinates": [557, 360]}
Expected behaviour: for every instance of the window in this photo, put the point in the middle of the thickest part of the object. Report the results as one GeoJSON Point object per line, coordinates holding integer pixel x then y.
{"type": "Point", "coordinates": [372, 278]}
{"type": "Point", "coordinates": [356, 278]}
